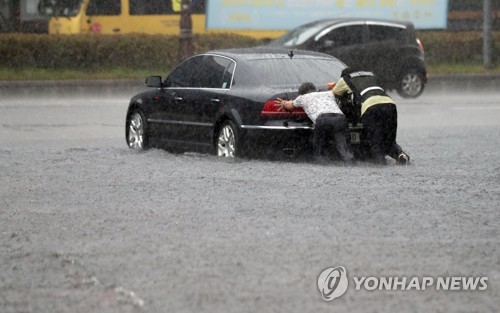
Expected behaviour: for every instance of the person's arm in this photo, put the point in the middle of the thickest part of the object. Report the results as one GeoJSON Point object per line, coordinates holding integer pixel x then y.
{"type": "Point", "coordinates": [341, 88]}
{"type": "Point", "coordinates": [286, 104]}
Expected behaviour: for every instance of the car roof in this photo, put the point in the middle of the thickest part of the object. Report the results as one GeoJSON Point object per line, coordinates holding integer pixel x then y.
{"type": "Point", "coordinates": [333, 21]}
{"type": "Point", "coordinates": [252, 62]}
{"type": "Point", "coordinates": [268, 52]}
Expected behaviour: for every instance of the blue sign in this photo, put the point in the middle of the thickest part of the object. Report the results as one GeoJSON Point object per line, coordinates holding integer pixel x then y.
{"type": "Point", "coordinates": [288, 14]}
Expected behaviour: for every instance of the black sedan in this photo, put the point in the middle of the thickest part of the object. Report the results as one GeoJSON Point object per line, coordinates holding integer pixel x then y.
{"type": "Point", "coordinates": [223, 102]}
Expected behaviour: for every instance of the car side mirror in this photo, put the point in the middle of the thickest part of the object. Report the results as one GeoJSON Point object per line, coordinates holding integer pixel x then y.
{"type": "Point", "coordinates": [154, 81]}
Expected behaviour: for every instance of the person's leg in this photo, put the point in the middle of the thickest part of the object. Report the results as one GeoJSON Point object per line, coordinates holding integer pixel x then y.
{"type": "Point", "coordinates": [394, 150]}
{"type": "Point", "coordinates": [340, 130]}
{"type": "Point", "coordinates": [389, 116]}
{"type": "Point", "coordinates": [374, 132]}
{"type": "Point", "coordinates": [320, 132]}
{"type": "Point", "coordinates": [397, 153]}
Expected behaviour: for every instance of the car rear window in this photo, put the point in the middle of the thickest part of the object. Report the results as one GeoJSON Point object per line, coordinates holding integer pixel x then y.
{"type": "Point", "coordinates": [291, 72]}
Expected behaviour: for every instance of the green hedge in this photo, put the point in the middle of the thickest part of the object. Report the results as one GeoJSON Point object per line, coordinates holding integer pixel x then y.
{"type": "Point", "coordinates": [456, 47]}
{"type": "Point", "coordinates": [153, 52]}
{"type": "Point", "coordinates": [90, 52]}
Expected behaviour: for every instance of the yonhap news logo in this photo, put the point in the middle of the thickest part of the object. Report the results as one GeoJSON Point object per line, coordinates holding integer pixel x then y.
{"type": "Point", "coordinates": [333, 283]}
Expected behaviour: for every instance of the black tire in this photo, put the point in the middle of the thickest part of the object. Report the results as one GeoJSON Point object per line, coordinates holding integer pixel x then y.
{"type": "Point", "coordinates": [137, 131]}
{"type": "Point", "coordinates": [227, 142]}
{"type": "Point", "coordinates": [411, 83]}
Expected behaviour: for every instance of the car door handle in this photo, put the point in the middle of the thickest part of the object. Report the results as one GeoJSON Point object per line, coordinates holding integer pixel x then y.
{"type": "Point", "coordinates": [214, 100]}
{"type": "Point", "coordinates": [116, 30]}
{"type": "Point", "coordinates": [177, 99]}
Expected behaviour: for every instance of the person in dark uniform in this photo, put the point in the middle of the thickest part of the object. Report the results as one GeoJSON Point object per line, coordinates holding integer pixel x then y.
{"type": "Point", "coordinates": [329, 121]}
{"type": "Point", "coordinates": [378, 114]}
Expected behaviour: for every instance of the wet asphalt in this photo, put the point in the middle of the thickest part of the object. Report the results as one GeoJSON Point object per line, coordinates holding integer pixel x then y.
{"type": "Point", "coordinates": [87, 225]}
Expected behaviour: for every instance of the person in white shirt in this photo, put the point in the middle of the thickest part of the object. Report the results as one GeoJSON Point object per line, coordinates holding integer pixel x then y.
{"type": "Point", "coordinates": [329, 121]}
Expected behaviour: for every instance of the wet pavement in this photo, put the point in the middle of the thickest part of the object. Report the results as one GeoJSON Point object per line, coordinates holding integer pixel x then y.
{"type": "Point", "coordinates": [86, 225]}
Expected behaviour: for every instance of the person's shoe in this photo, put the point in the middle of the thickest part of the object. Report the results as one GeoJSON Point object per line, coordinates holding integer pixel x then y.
{"type": "Point", "coordinates": [403, 159]}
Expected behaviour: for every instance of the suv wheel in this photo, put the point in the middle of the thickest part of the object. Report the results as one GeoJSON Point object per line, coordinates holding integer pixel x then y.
{"type": "Point", "coordinates": [411, 84]}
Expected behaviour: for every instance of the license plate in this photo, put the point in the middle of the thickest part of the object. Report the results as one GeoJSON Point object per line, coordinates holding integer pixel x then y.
{"type": "Point", "coordinates": [355, 137]}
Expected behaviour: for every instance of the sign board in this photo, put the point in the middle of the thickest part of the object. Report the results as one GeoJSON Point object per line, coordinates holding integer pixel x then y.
{"type": "Point", "coordinates": [287, 14]}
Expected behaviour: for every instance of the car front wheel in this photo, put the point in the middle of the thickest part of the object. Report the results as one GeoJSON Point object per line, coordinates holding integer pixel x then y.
{"type": "Point", "coordinates": [411, 84]}
{"type": "Point", "coordinates": [137, 137]}
{"type": "Point", "coordinates": [227, 141]}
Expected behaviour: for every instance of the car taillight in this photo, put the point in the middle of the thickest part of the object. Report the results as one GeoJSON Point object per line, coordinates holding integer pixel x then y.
{"type": "Point", "coordinates": [420, 45]}
{"type": "Point", "coordinates": [273, 109]}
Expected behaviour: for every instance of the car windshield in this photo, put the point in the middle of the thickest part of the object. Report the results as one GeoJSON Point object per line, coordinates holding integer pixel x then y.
{"type": "Point", "coordinates": [291, 72]}
{"type": "Point", "coordinates": [59, 7]}
{"type": "Point", "coordinates": [298, 35]}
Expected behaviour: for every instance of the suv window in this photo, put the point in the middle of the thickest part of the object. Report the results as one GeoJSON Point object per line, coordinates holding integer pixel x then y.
{"type": "Point", "coordinates": [183, 74]}
{"type": "Point", "coordinates": [104, 7]}
{"type": "Point", "coordinates": [216, 72]}
{"type": "Point", "coordinates": [383, 33]}
{"type": "Point", "coordinates": [345, 36]}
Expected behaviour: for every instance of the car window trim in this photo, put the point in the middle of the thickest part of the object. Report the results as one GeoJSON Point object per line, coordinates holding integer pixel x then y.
{"type": "Point", "coordinates": [335, 26]}
{"type": "Point", "coordinates": [224, 57]}
{"type": "Point", "coordinates": [196, 88]}
{"type": "Point", "coordinates": [388, 24]}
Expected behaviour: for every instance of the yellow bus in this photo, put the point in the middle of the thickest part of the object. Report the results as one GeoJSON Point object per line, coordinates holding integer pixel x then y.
{"type": "Point", "coordinates": [130, 16]}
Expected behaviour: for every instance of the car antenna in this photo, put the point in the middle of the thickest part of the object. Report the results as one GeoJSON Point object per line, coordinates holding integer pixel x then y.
{"type": "Point", "coordinates": [291, 54]}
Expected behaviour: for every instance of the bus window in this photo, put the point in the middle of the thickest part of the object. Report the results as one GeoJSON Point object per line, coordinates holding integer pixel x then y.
{"type": "Point", "coordinates": [151, 7]}
{"type": "Point", "coordinates": [104, 7]}
{"type": "Point", "coordinates": [176, 5]}
{"type": "Point", "coordinates": [197, 6]}
{"type": "Point", "coordinates": [59, 8]}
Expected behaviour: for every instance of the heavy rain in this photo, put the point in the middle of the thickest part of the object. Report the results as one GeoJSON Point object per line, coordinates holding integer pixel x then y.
{"type": "Point", "coordinates": [89, 225]}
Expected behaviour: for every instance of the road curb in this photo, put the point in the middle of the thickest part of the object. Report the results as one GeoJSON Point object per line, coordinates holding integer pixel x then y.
{"type": "Point", "coordinates": [466, 82]}
{"type": "Point", "coordinates": [71, 82]}
{"type": "Point", "coordinates": [461, 81]}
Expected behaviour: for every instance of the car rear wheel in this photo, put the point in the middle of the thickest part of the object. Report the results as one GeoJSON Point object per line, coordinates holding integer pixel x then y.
{"type": "Point", "coordinates": [227, 141]}
{"type": "Point", "coordinates": [411, 84]}
{"type": "Point", "coordinates": [137, 137]}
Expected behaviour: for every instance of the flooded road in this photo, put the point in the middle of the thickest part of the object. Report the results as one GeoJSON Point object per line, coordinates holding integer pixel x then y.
{"type": "Point", "coordinates": [86, 225]}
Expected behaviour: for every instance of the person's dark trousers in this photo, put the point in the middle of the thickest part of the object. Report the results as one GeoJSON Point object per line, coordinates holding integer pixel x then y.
{"type": "Point", "coordinates": [395, 150]}
{"type": "Point", "coordinates": [380, 124]}
{"type": "Point", "coordinates": [332, 126]}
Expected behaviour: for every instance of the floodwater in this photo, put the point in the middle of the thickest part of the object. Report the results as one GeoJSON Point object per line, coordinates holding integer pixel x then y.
{"type": "Point", "coordinates": [87, 225]}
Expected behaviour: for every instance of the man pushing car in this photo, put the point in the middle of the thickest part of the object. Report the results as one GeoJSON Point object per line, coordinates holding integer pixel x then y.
{"type": "Point", "coordinates": [329, 121]}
